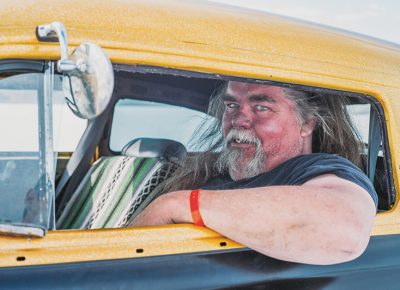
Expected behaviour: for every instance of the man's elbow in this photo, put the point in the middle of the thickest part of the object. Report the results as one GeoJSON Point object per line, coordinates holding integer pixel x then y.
{"type": "Point", "coordinates": [352, 245]}
{"type": "Point", "coordinates": [338, 251]}
{"type": "Point", "coordinates": [344, 245]}
{"type": "Point", "coordinates": [353, 231]}
{"type": "Point", "coordinates": [358, 234]}
{"type": "Point", "coordinates": [353, 249]}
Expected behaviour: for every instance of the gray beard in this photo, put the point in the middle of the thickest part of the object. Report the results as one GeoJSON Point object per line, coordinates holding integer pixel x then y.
{"type": "Point", "coordinates": [229, 158]}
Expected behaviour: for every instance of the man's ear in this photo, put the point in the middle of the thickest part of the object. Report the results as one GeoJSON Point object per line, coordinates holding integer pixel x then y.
{"type": "Point", "coordinates": [308, 127]}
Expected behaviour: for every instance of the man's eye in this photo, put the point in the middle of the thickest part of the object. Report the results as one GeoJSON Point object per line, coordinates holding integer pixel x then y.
{"type": "Point", "coordinates": [231, 105]}
{"type": "Point", "coordinates": [261, 108]}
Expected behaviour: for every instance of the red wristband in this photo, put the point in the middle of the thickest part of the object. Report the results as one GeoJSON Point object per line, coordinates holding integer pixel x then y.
{"type": "Point", "coordinates": [194, 208]}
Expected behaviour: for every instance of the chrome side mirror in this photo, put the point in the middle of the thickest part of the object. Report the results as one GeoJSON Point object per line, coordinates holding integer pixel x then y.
{"type": "Point", "coordinates": [88, 80]}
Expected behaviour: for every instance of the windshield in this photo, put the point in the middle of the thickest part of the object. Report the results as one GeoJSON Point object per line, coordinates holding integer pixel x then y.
{"type": "Point", "coordinates": [24, 180]}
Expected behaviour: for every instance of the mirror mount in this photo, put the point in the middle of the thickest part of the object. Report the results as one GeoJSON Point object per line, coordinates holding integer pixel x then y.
{"type": "Point", "coordinates": [54, 32]}
{"type": "Point", "coordinates": [88, 73]}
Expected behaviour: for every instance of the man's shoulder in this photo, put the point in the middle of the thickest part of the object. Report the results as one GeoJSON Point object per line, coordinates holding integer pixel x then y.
{"type": "Point", "coordinates": [318, 158]}
{"type": "Point", "coordinates": [304, 167]}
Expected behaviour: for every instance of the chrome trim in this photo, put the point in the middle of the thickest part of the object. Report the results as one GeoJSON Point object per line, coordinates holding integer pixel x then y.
{"type": "Point", "coordinates": [13, 230]}
{"type": "Point", "coordinates": [46, 150]}
{"type": "Point", "coordinates": [56, 30]}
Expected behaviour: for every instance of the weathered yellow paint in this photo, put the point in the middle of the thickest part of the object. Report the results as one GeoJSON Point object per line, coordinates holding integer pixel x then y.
{"type": "Point", "coordinates": [202, 37]}
{"type": "Point", "coordinates": [188, 35]}
{"type": "Point", "coordinates": [90, 245]}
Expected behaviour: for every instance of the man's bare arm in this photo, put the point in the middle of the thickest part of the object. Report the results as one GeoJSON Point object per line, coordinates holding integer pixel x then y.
{"type": "Point", "coordinates": [326, 220]}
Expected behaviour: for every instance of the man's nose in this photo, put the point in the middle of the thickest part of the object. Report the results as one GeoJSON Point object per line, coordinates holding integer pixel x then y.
{"type": "Point", "coordinates": [242, 120]}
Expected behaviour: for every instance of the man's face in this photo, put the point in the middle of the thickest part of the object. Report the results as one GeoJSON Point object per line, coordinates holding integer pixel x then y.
{"type": "Point", "coordinates": [261, 129]}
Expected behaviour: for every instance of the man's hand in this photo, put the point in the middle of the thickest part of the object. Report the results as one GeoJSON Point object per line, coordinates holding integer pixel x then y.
{"type": "Point", "coordinates": [167, 209]}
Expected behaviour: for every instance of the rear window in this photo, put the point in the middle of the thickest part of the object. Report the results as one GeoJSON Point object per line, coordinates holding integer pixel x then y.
{"type": "Point", "coordinates": [136, 119]}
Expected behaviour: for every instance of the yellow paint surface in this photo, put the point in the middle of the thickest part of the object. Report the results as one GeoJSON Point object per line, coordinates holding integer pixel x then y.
{"type": "Point", "coordinates": [90, 245]}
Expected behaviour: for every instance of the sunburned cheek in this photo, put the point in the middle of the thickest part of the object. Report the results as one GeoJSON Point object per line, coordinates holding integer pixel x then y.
{"type": "Point", "coordinates": [274, 137]}
{"type": "Point", "coordinates": [270, 131]}
{"type": "Point", "coordinates": [226, 125]}
{"type": "Point", "coordinates": [278, 129]}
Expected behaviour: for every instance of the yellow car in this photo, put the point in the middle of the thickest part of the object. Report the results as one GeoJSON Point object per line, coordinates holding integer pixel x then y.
{"type": "Point", "coordinates": [98, 104]}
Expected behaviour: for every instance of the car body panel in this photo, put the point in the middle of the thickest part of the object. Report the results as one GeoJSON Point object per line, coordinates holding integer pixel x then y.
{"type": "Point", "coordinates": [193, 36]}
{"type": "Point", "coordinates": [237, 269]}
{"type": "Point", "coordinates": [209, 38]}
{"type": "Point", "coordinates": [77, 245]}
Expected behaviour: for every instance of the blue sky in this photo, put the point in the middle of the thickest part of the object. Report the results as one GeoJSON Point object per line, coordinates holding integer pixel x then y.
{"type": "Point", "coordinates": [379, 19]}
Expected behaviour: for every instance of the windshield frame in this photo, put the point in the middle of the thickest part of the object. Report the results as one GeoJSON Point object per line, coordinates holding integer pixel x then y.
{"type": "Point", "coordinates": [46, 157]}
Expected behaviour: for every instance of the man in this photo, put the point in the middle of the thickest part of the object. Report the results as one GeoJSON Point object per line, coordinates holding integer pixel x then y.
{"type": "Point", "coordinates": [276, 196]}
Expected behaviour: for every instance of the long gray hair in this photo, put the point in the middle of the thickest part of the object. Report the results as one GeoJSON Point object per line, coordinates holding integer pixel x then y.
{"type": "Point", "coordinates": [334, 133]}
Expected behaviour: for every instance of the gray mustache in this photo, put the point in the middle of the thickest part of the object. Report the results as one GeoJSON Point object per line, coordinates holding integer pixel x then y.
{"type": "Point", "coordinates": [244, 136]}
{"type": "Point", "coordinates": [228, 158]}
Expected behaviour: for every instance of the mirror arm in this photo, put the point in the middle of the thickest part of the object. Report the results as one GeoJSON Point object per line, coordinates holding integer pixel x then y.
{"type": "Point", "coordinates": [56, 31]}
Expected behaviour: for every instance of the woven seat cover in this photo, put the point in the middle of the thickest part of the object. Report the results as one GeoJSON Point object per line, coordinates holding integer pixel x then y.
{"type": "Point", "coordinates": [113, 191]}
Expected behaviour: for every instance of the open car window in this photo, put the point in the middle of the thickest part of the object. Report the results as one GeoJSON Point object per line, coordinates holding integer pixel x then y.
{"type": "Point", "coordinates": [156, 106]}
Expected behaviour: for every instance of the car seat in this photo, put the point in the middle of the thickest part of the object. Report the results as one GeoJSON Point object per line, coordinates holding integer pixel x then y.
{"type": "Point", "coordinates": [117, 188]}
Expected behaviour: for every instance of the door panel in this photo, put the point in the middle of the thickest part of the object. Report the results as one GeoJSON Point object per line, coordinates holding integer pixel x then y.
{"type": "Point", "coordinates": [243, 269]}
